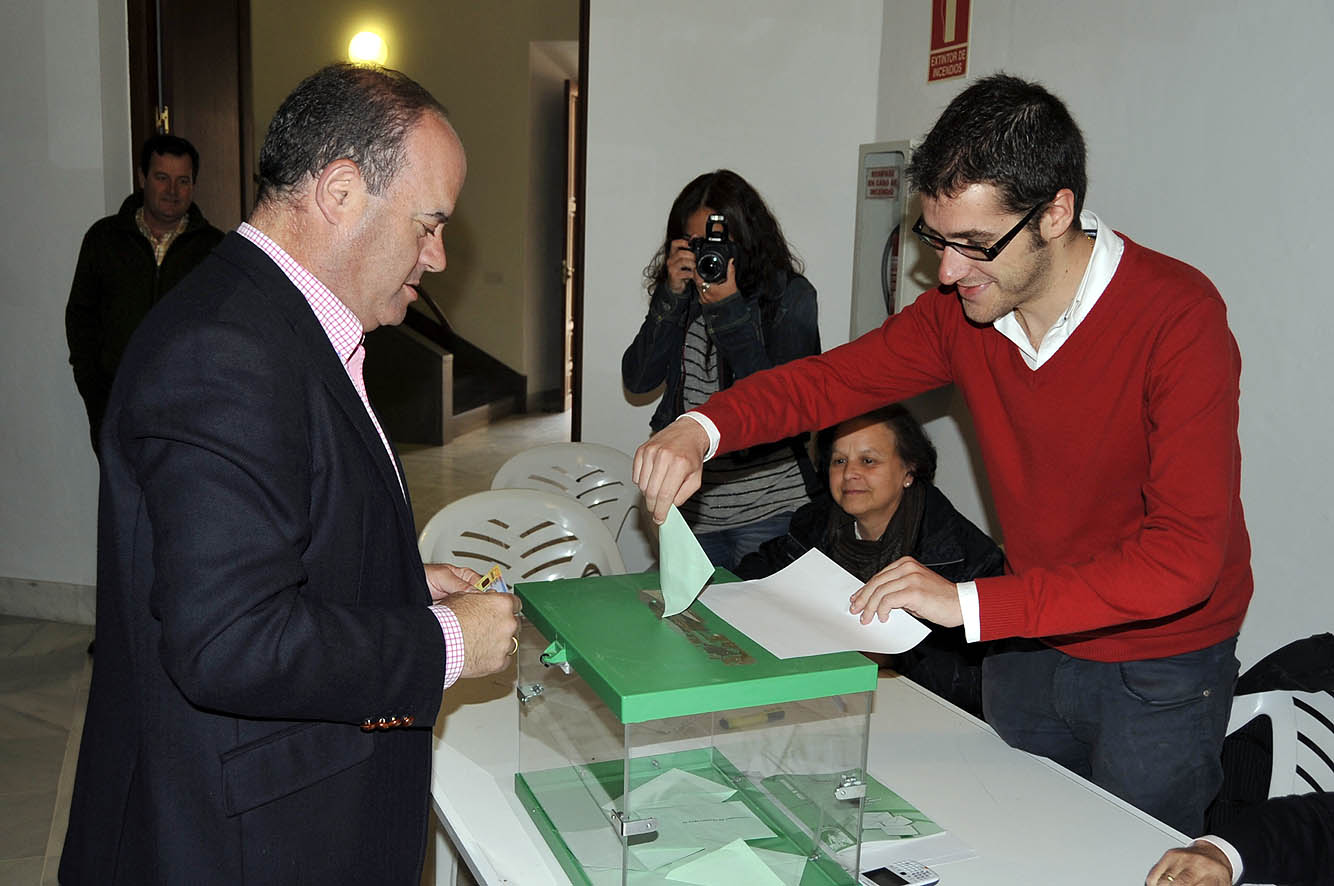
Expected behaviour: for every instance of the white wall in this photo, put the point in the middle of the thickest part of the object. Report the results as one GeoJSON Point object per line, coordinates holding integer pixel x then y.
{"type": "Point", "coordinates": [67, 163]}
{"type": "Point", "coordinates": [1207, 123]}
{"type": "Point", "coordinates": [782, 91]}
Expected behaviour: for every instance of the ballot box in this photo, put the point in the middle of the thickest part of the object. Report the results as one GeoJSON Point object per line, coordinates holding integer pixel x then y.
{"type": "Point", "coordinates": [670, 751]}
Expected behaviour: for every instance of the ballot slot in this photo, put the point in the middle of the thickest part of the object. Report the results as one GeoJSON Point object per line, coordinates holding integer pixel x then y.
{"type": "Point", "coordinates": [643, 755]}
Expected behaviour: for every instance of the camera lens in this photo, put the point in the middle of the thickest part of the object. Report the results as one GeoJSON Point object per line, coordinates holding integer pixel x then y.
{"type": "Point", "coordinates": [711, 267]}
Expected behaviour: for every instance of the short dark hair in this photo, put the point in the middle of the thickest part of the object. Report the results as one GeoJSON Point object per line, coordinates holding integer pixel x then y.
{"type": "Point", "coordinates": [1006, 132]}
{"type": "Point", "coordinates": [361, 113]}
{"type": "Point", "coordinates": [764, 250]}
{"type": "Point", "coordinates": [911, 443]}
{"type": "Point", "coordinates": [168, 144]}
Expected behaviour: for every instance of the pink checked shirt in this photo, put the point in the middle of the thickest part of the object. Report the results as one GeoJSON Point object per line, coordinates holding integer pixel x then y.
{"type": "Point", "coordinates": [348, 340]}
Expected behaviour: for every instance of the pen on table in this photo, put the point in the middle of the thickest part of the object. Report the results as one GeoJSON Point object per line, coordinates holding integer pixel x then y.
{"type": "Point", "coordinates": [750, 719]}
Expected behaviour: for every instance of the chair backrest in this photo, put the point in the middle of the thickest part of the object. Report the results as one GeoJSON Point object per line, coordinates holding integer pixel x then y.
{"type": "Point", "coordinates": [531, 535]}
{"type": "Point", "coordinates": [596, 476]}
{"type": "Point", "coordinates": [1303, 737]}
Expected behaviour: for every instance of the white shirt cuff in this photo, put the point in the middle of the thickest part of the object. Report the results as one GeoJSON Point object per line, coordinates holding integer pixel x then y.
{"type": "Point", "coordinates": [1233, 857]}
{"type": "Point", "coordinates": [709, 428]}
{"type": "Point", "coordinates": [452, 632]}
{"type": "Point", "coordinates": [972, 611]}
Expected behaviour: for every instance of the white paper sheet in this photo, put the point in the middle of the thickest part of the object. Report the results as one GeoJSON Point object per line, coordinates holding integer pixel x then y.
{"type": "Point", "coordinates": [734, 863]}
{"type": "Point", "coordinates": [673, 786]}
{"type": "Point", "coordinates": [803, 610]}
{"type": "Point", "coordinates": [788, 868]}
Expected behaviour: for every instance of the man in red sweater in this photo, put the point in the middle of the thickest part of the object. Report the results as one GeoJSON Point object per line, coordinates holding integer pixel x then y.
{"type": "Point", "coordinates": [1103, 382]}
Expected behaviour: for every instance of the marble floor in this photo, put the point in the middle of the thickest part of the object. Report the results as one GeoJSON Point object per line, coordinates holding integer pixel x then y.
{"type": "Point", "coordinates": [44, 670]}
{"type": "Point", "coordinates": [437, 475]}
{"type": "Point", "coordinates": [44, 665]}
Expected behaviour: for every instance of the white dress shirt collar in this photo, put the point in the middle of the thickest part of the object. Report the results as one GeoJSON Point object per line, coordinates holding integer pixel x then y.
{"type": "Point", "coordinates": [1107, 251]}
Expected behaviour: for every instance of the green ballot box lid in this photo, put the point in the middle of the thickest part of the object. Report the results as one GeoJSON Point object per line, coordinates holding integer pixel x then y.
{"type": "Point", "coordinates": [645, 667]}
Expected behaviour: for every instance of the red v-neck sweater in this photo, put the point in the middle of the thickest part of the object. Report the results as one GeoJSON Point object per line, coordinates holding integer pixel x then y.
{"type": "Point", "coordinates": [1115, 467]}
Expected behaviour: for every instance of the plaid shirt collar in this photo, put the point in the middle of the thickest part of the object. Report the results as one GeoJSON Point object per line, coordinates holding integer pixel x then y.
{"type": "Point", "coordinates": [160, 244]}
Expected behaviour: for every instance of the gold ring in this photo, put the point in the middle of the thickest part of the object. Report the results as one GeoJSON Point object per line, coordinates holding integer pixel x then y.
{"type": "Point", "coordinates": [516, 645]}
{"type": "Point", "coordinates": [704, 287]}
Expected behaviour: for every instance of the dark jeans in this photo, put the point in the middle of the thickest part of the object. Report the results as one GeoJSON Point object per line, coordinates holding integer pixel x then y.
{"type": "Point", "coordinates": [726, 547]}
{"type": "Point", "coordinates": [1149, 731]}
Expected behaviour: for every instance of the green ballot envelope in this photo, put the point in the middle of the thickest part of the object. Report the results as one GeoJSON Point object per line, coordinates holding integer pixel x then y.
{"type": "Point", "coordinates": [651, 749]}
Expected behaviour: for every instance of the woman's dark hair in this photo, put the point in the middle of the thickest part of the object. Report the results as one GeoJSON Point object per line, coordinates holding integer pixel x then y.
{"type": "Point", "coordinates": [1005, 132]}
{"type": "Point", "coordinates": [911, 443]}
{"type": "Point", "coordinates": [764, 252]}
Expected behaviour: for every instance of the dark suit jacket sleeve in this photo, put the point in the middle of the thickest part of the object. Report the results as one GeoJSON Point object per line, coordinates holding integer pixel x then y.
{"type": "Point", "coordinates": [1285, 840]}
{"type": "Point", "coordinates": [283, 584]}
{"type": "Point", "coordinates": [83, 332]}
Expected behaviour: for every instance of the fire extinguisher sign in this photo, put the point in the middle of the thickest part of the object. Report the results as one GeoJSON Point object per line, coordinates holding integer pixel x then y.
{"type": "Point", "coordinates": [949, 39]}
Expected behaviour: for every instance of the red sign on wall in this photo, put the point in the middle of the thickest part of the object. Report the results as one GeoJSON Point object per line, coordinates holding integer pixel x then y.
{"type": "Point", "coordinates": [882, 183]}
{"type": "Point", "coordinates": [949, 39]}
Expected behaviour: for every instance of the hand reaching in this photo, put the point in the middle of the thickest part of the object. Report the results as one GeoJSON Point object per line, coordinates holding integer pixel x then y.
{"type": "Point", "coordinates": [445, 579]}
{"type": "Point", "coordinates": [908, 585]}
{"type": "Point", "coordinates": [669, 467]}
{"type": "Point", "coordinates": [1199, 864]}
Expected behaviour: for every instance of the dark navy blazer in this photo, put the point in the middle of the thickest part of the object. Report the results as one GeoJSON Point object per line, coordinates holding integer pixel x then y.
{"type": "Point", "coordinates": [260, 596]}
{"type": "Point", "coordinates": [1286, 840]}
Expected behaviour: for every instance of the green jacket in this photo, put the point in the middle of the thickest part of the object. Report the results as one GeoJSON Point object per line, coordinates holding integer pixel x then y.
{"type": "Point", "coordinates": [116, 282]}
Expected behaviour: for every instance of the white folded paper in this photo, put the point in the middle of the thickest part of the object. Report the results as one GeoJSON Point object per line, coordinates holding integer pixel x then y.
{"type": "Point", "coordinates": [803, 610]}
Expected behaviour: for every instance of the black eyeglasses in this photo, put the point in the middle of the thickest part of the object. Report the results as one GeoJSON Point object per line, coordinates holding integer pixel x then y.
{"type": "Point", "coordinates": [970, 250]}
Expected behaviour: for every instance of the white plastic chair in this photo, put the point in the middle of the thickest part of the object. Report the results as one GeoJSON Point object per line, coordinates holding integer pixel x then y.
{"type": "Point", "coordinates": [1303, 733]}
{"type": "Point", "coordinates": [532, 536]}
{"type": "Point", "coordinates": [596, 476]}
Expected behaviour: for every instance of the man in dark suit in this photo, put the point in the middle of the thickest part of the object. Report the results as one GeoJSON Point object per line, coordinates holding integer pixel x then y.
{"type": "Point", "coordinates": [270, 658]}
{"type": "Point", "coordinates": [1282, 840]}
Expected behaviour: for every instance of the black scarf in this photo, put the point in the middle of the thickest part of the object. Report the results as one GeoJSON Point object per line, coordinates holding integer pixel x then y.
{"type": "Point", "coordinates": [864, 558]}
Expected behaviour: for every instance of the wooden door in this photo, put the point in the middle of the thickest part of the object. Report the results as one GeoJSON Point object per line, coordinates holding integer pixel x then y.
{"type": "Point", "coordinates": [575, 229]}
{"type": "Point", "coordinates": [571, 220]}
{"type": "Point", "coordinates": [190, 76]}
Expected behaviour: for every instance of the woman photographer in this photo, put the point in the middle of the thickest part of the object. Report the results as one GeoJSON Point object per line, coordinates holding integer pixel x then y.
{"type": "Point", "coordinates": [883, 505]}
{"type": "Point", "coordinates": [700, 335]}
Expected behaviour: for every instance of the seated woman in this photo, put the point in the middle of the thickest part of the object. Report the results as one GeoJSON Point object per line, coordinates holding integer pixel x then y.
{"type": "Point", "coordinates": [882, 505]}
{"type": "Point", "coordinates": [698, 337]}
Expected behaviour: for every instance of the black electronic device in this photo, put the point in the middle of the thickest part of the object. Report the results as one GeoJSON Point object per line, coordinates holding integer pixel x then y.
{"type": "Point", "coordinates": [714, 250]}
{"type": "Point", "coordinates": [900, 873]}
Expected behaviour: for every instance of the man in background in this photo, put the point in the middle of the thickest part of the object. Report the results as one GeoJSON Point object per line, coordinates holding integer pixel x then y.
{"type": "Point", "coordinates": [128, 261]}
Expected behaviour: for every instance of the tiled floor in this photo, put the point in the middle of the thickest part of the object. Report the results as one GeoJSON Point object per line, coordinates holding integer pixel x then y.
{"type": "Point", "coordinates": [44, 670]}
{"type": "Point", "coordinates": [44, 665]}
{"type": "Point", "coordinates": [438, 475]}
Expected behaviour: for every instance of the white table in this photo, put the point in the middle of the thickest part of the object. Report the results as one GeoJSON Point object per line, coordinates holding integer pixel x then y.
{"type": "Point", "coordinates": [1029, 820]}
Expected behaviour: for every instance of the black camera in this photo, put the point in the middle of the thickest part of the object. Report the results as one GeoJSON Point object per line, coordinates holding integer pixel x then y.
{"type": "Point", "coordinates": [713, 251]}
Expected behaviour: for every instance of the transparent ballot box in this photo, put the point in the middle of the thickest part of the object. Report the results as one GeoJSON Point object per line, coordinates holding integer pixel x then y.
{"type": "Point", "coordinates": [670, 751]}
